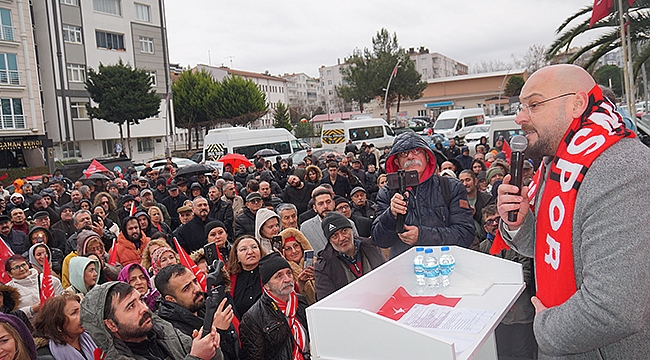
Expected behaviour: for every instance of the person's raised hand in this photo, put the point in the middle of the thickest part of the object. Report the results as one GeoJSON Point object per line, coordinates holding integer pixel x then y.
{"type": "Point", "coordinates": [398, 205]}
{"type": "Point", "coordinates": [506, 201]}
{"type": "Point", "coordinates": [223, 316]}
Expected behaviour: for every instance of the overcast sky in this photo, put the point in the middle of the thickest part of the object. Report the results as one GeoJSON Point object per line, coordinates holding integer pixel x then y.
{"type": "Point", "coordinates": [287, 36]}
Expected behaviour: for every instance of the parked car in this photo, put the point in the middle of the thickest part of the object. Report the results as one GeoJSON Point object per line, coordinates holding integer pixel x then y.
{"type": "Point", "coordinates": [180, 162]}
{"type": "Point", "coordinates": [473, 137]}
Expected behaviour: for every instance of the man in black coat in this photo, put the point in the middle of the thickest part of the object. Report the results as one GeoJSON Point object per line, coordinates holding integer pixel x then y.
{"type": "Point", "coordinates": [340, 184]}
{"type": "Point", "coordinates": [344, 257]}
{"type": "Point", "coordinates": [298, 193]}
{"type": "Point", "coordinates": [183, 305]}
{"type": "Point", "coordinates": [173, 202]}
{"type": "Point", "coordinates": [280, 309]}
{"type": "Point", "coordinates": [17, 240]}
{"type": "Point", "coordinates": [221, 210]}
{"type": "Point", "coordinates": [192, 235]}
{"type": "Point", "coordinates": [245, 222]}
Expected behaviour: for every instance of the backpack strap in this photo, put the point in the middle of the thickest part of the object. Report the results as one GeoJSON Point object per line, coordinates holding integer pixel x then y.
{"type": "Point", "coordinates": [444, 187]}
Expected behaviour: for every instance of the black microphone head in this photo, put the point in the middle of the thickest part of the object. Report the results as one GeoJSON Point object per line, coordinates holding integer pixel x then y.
{"type": "Point", "coordinates": [518, 143]}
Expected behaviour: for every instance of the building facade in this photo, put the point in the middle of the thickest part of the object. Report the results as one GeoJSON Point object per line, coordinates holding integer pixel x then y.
{"type": "Point", "coordinates": [304, 93]}
{"type": "Point", "coordinates": [275, 89]}
{"type": "Point", "coordinates": [75, 35]}
{"type": "Point", "coordinates": [330, 77]}
{"type": "Point", "coordinates": [435, 65]}
{"type": "Point", "coordinates": [22, 132]}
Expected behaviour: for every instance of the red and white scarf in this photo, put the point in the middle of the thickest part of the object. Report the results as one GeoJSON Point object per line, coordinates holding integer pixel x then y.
{"type": "Point", "coordinates": [588, 136]}
{"type": "Point", "coordinates": [290, 309]}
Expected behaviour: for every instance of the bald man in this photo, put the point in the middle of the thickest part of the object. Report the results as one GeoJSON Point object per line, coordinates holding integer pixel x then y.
{"type": "Point", "coordinates": [584, 219]}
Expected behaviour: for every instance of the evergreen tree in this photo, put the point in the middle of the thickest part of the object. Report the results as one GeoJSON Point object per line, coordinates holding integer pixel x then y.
{"type": "Point", "coordinates": [122, 94]}
{"type": "Point", "coordinates": [281, 117]}
{"type": "Point", "coordinates": [513, 86]}
{"type": "Point", "coordinates": [238, 101]}
{"type": "Point", "coordinates": [192, 94]}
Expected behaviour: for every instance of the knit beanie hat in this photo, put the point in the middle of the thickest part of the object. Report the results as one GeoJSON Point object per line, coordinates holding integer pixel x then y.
{"type": "Point", "coordinates": [493, 171]}
{"type": "Point", "coordinates": [270, 264]}
{"type": "Point", "coordinates": [332, 222]}
{"type": "Point", "coordinates": [213, 224]}
{"type": "Point", "coordinates": [23, 331]}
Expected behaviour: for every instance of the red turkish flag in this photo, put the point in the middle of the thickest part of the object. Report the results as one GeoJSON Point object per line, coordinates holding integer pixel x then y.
{"type": "Point", "coordinates": [507, 150]}
{"type": "Point", "coordinates": [112, 258]}
{"type": "Point", "coordinates": [47, 288]}
{"type": "Point", "coordinates": [133, 209]}
{"type": "Point", "coordinates": [5, 253]}
{"type": "Point", "coordinates": [401, 302]}
{"type": "Point", "coordinates": [189, 263]}
{"type": "Point", "coordinates": [95, 166]}
{"type": "Point", "coordinates": [601, 9]}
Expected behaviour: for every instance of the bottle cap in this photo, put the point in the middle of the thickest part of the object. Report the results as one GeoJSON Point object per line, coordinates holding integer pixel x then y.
{"type": "Point", "coordinates": [444, 248]}
{"type": "Point", "coordinates": [419, 249]}
{"type": "Point", "coordinates": [428, 251]}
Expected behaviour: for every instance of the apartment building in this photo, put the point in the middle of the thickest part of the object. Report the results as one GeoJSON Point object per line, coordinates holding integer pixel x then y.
{"type": "Point", "coordinates": [22, 133]}
{"type": "Point", "coordinates": [330, 77]}
{"type": "Point", "coordinates": [304, 93]}
{"type": "Point", "coordinates": [75, 35]}
{"type": "Point", "coordinates": [435, 65]}
{"type": "Point", "coordinates": [275, 89]}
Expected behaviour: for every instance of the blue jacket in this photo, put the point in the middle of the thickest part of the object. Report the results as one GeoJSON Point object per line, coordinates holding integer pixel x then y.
{"type": "Point", "coordinates": [437, 223]}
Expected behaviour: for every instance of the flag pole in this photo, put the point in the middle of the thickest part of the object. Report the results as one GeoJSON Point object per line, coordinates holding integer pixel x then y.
{"type": "Point", "coordinates": [626, 70]}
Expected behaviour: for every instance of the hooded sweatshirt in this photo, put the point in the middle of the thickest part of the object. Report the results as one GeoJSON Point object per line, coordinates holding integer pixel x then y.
{"type": "Point", "coordinates": [127, 251]}
{"type": "Point", "coordinates": [78, 266]}
{"type": "Point", "coordinates": [56, 255]}
{"type": "Point", "coordinates": [261, 217]}
{"type": "Point", "coordinates": [152, 294]}
{"type": "Point", "coordinates": [32, 259]}
{"type": "Point", "coordinates": [83, 238]}
{"type": "Point", "coordinates": [176, 343]}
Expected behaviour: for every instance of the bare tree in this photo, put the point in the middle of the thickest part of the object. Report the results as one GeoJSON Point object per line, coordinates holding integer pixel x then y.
{"type": "Point", "coordinates": [489, 66]}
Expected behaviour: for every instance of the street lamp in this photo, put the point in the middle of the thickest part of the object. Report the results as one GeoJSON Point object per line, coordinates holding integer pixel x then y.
{"type": "Point", "coordinates": [393, 73]}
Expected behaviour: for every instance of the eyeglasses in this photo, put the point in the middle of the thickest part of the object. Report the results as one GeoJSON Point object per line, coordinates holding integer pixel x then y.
{"type": "Point", "coordinates": [256, 201]}
{"type": "Point", "coordinates": [491, 221]}
{"type": "Point", "coordinates": [244, 249]}
{"type": "Point", "coordinates": [405, 154]}
{"type": "Point", "coordinates": [104, 202]}
{"type": "Point", "coordinates": [534, 105]}
{"type": "Point", "coordinates": [343, 207]}
{"type": "Point", "coordinates": [19, 266]}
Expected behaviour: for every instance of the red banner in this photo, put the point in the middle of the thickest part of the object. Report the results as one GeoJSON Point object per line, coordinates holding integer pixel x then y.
{"type": "Point", "coordinates": [189, 263]}
{"type": "Point", "coordinates": [47, 288]}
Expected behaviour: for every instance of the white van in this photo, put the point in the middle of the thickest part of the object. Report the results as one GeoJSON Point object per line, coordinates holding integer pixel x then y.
{"type": "Point", "coordinates": [455, 124]}
{"type": "Point", "coordinates": [503, 126]}
{"type": "Point", "coordinates": [240, 140]}
{"type": "Point", "coordinates": [335, 134]}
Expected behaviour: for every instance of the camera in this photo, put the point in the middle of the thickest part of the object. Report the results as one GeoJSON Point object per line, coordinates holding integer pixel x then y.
{"type": "Point", "coordinates": [215, 289]}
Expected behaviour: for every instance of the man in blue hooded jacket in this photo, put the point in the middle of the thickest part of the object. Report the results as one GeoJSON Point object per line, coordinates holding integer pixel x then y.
{"type": "Point", "coordinates": [430, 220]}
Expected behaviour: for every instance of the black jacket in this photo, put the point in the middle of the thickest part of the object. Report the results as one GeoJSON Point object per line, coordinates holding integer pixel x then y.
{"type": "Point", "coordinates": [299, 197]}
{"type": "Point", "coordinates": [329, 272]}
{"type": "Point", "coordinates": [341, 187]}
{"type": "Point", "coordinates": [245, 223]}
{"type": "Point", "coordinates": [17, 241]}
{"type": "Point", "coordinates": [265, 333]}
{"type": "Point", "coordinates": [172, 204]}
{"type": "Point", "coordinates": [222, 211]}
{"type": "Point", "coordinates": [191, 236]}
{"type": "Point", "coordinates": [185, 321]}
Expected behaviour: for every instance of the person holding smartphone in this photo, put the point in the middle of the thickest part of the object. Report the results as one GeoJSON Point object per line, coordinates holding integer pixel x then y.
{"type": "Point", "coordinates": [300, 255]}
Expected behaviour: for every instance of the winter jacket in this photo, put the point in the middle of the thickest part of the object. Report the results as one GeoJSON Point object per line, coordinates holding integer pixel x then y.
{"type": "Point", "coordinates": [222, 211]}
{"type": "Point", "coordinates": [17, 241]}
{"type": "Point", "coordinates": [185, 321]}
{"type": "Point", "coordinates": [299, 197]}
{"type": "Point", "coordinates": [66, 226]}
{"type": "Point", "coordinates": [29, 290]}
{"type": "Point", "coordinates": [368, 211]}
{"type": "Point", "coordinates": [191, 236]}
{"type": "Point", "coordinates": [245, 223]}
{"type": "Point", "coordinates": [174, 342]}
{"type": "Point", "coordinates": [172, 204]}
{"type": "Point", "coordinates": [55, 258]}
{"type": "Point", "coordinates": [341, 187]}
{"type": "Point", "coordinates": [309, 290]}
{"type": "Point", "coordinates": [331, 272]}
{"type": "Point", "coordinates": [126, 251]}
{"type": "Point", "coordinates": [78, 266]}
{"type": "Point", "coordinates": [262, 216]}
{"type": "Point", "coordinates": [10, 302]}
{"type": "Point", "coordinates": [608, 317]}
{"type": "Point", "coordinates": [265, 333]}
{"type": "Point", "coordinates": [437, 223]}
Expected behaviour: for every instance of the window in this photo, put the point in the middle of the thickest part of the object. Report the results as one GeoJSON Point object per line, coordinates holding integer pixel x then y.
{"type": "Point", "coordinates": [108, 147]}
{"type": "Point", "coordinates": [249, 151]}
{"type": "Point", "coordinates": [9, 69]}
{"type": "Point", "coordinates": [329, 82]}
{"type": "Point", "coordinates": [106, 40]}
{"type": "Point", "coordinates": [70, 2]}
{"type": "Point", "coordinates": [76, 73]}
{"type": "Point", "coordinates": [142, 12]}
{"type": "Point", "coordinates": [79, 111]}
{"type": "Point", "coordinates": [422, 113]}
{"type": "Point", "coordinates": [330, 92]}
{"type": "Point", "coordinates": [72, 34]}
{"type": "Point", "coordinates": [372, 132]}
{"type": "Point", "coordinates": [474, 120]}
{"type": "Point", "coordinates": [7, 30]}
{"type": "Point", "coordinates": [329, 72]}
{"type": "Point", "coordinates": [144, 145]}
{"type": "Point", "coordinates": [152, 73]}
{"type": "Point", "coordinates": [423, 60]}
{"type": "Point", "coordinates": [108, 6]}
{"type": "Point", "coordinates": [11, 111]}
{"type": "Point", "coordinates": [146, 45]}
{"type": "Point", "coordinates": [70, 149]}
{"type": "Point", "coordinates": [424, 71]}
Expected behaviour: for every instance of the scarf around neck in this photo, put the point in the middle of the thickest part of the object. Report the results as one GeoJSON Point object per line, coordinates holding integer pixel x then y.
{"type": "Point", "coordinates": [290, 309]}
{"type": "Point", "coordinates": [588, 136]}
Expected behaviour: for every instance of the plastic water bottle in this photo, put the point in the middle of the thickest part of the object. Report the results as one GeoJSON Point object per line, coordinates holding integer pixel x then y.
{"type": "Point", "coordinates": [447, 263]}
{"type": "Point", "coordinates": [431, 269]}
{"type": "Point", "coordinates": [445, 250]}
{"type": "Point", "coordinates": [418, 267]}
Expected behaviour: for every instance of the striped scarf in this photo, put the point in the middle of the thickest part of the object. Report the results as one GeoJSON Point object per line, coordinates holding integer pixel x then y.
{"type": "Point", "coordinates": [290, 309]}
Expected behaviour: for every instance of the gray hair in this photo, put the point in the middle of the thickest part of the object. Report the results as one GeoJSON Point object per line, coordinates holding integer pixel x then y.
{"type": "Point", "coordinates": [79, 212]}
{"type": "Point", "coordinates": [84, 189]}
{"type": "Point", "coordinates": [285, 206]}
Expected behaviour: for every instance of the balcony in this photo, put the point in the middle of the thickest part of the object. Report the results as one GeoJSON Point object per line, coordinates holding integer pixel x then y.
{"type": "Point", "coordinates": [6, 33]}
{"type": "Point", "coordinates": [10, 77]}
{"type": "Point", "coordinates": [13, 122]}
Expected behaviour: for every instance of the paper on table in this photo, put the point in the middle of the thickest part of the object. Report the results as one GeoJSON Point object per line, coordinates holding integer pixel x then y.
{"type": "Point", "coordinates": [446, 318]}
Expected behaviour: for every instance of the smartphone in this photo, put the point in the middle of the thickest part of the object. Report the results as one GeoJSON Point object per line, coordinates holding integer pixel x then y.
{"type": "Point", "coordinates": [408, 178]}
{"type": "Point", "coordinates": [94, 218]}
{"type": "Point", "coordinates": [276, 242]}
{"type": "Point", "coordinates": [308, 257]}
{"type": "Point", "coordinates": [210, 250]}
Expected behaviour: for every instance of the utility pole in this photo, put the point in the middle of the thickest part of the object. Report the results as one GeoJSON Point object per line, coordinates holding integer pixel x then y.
{"type": "Point", "coordinates": [392, 74]}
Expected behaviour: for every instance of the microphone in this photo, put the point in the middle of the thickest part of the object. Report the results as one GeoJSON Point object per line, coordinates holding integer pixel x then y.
{"type": "Point", "coordinates": [518, 144]}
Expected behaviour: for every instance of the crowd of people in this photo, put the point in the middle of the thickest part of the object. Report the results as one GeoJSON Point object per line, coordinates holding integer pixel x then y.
{"type": "Point", "coordinates": [262, 219]}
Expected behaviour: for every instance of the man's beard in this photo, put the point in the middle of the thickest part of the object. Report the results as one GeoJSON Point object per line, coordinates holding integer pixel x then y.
{"type": "Point", "coordinates": [540, 147]}
{"type": "Point", "coordinates": [135, 237]}
{"type": "Point", "coordinates": [132, 332]}
{"type": "Point", "coordinates": [197, 304]}
{"type": "Point", "coordinates": [148, 202]}
{"type": "Point", "coordinates": [412, 162]}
